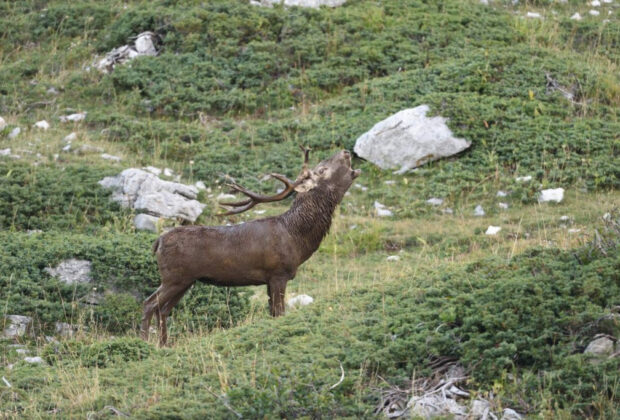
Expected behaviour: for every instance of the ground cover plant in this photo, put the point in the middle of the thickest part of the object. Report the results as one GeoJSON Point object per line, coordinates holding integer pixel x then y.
{"type": "Point", "coordinates": [232, 92]}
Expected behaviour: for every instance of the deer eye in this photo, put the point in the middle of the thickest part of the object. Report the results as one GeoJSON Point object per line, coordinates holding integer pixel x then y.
{"type": "Point", "coordinates": [321, 170]}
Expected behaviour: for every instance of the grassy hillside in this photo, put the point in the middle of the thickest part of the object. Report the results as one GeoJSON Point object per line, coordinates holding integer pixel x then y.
{"type": "Point", "coordinates": [233, 91]}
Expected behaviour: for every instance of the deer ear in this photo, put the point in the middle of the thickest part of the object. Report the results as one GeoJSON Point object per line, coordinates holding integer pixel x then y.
{"type": "Point", "coordinates": [306, 186]}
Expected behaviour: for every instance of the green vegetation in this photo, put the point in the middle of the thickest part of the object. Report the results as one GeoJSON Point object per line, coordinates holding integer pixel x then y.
{"type": "Point", "coordinates": [233, 91]}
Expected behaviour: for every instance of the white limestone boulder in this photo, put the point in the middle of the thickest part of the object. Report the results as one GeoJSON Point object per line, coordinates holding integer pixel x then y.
{"type": "Point", "coordinates": [142, 190]}
{"type": "Point", "coordinates": [408, 139]}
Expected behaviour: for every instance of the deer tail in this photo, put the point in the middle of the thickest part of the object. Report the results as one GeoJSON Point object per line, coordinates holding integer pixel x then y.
{"type": "Point", "coordinates": [156, 244]}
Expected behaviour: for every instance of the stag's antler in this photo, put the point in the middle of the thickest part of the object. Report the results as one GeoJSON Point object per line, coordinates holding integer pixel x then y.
{"type": "Point", "coordinates": [255, 198]}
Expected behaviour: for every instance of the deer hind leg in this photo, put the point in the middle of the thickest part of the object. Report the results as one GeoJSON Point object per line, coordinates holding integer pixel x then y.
{"type": "Point", "coordinates": [160, 304]}
{"type": "Point", "coordinates": [164, 311]}
{"type": "Point", "coordinates": [150, 306]}
{"type": "Point", "coordinates": [276, 290]}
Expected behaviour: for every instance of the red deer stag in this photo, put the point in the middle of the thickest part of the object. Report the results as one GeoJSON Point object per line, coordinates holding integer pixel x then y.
{"type": "Point", "coordinates": [265, 251]}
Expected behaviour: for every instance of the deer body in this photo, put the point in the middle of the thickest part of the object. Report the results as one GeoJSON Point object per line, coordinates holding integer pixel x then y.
{"type": "Point", "coordinates": [266, 251]}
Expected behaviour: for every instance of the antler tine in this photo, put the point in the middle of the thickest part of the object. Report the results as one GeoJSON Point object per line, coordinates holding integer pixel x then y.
{"type": "Point", "coordinates": [255, 198]}
{"type": "Point", "coordinates": [304, 167]}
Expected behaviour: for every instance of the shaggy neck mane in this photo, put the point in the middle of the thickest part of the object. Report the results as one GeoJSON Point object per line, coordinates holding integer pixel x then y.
{"type": "Point", "coordinates": [310, 217]}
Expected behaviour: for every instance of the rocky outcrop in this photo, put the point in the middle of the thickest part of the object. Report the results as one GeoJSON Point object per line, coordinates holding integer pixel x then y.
{"type": "Point", "coordinates": [407, 140]}
{"type": "Point", "coordinates": [143, 45]}
{"type": "Point", "coordinates": [143, 191]}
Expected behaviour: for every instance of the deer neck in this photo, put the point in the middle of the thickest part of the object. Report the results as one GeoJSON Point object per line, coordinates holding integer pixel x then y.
{"type": "Point", "coordinates": [309, 218]}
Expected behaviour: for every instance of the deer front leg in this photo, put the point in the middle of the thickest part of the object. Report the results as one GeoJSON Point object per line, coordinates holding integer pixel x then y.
{"type": "Point", "coordinates": [276, 290]}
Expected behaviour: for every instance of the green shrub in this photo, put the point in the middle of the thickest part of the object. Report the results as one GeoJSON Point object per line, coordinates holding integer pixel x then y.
{"type": "Point", "coordinates": [118, 313]}
{"type": "Point", "coordinates": [54, 197]}
{"type": "Point", "coordinates": [118, 350]}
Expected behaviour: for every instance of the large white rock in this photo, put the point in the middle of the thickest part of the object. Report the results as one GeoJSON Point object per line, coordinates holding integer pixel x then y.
{"type": "Point", "coordinates": [142, 190]}
{"type": "Point", "coordinates": [553, 194]}
{"type": "Point", "coordinates": [72, 271]}
{"type": "Point", "coordinates": [408, 139]}
{"type": "Point", "coordinates": [301, 3]}
{"type": "Point", "coordinates": [16, 325]}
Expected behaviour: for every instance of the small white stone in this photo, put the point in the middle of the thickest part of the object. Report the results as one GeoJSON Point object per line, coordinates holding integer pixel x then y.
{"type": "Point", "coordinates": [533, 15]}
{"type": "Point", "coordinates": [510, 414]}
{"type": "Point", "coordinates": [576, 16]}
{"type": "Point", "coordinates": [594, 12]}
{"type": "Point", "coordinates": [200, 185]}
{"type": "Point", "coordinates": [70, 137]}
{"type": "Point", "coordinates": [110, 157]}
{"type": "Point", "coordinates": [381, 210]}
{"type": "Point", "coordinates": [595, 3]}
{"type": "Point", "coordinates": [389, 182]}
{"type": "Point", "coordinates": [501, 194]}
{"type": "Point", "coordinates": [552, 194]}
{"type": "Point", "coordinates": [3, 123]}
{"type": "Point", "coordinates": [77, 117]}
{"type": "Point", "coordinates": [574, 230]}
{"type": "Point", "coordinates": [393, 258]}
{"type": "Point", "coordinates": [435, 201]}
{"type": "Point", "coordinates": [36, 359]}
{"type": "Point", "coordinates": [66, 148]}
{"type": "Point", "coordinates": [447, 210]}
{"type": "Point", "coordinates": [168, 172]}
{"type": "Point", "coordinates": [259, 211]}
{"type": "Point", "coordinates": [492, 230]}
{"type": "Point", "coordinates": [479, 211]}
{"type": "Point", "coordinates": [503, 206]}
{"type": "Point", "coordinates": [43, 125]}
{"type": "Point", "coordinates": [5, 152]}
{"type": "Point", "coordinates": [361, 187]}
{"type": "Point", "coordinates": [564, 218]}
{"type": "Point", "coordinates": [300, 300]}
{"type": "Point", "coordinates": [15, 132]}
{"type": "Point", "coordinates": [526, 178]}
